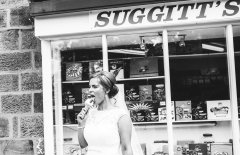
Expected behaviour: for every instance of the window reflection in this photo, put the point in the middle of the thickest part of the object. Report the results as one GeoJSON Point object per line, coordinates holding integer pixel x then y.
{"type": "Point", "coordinates": [199, 66]}
{"type": "Point", "coordinates": [200, 41]}
{"type": "Point", "coordinates": [135, 45]}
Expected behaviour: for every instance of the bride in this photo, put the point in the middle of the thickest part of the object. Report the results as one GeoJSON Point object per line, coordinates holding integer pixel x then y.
{"type": "Point", "coordinates": [104, 124]}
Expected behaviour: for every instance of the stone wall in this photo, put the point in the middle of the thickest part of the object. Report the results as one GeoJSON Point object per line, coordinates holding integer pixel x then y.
{"type": "Point", "coordinates": [21, 105]}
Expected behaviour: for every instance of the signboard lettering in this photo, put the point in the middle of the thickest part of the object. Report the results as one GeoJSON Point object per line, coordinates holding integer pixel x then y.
{"type": "Point", "coordinates": [163, 14]}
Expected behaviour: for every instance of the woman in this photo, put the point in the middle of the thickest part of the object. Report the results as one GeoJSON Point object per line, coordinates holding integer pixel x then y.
{"type": "Point", "coordinates": [106, 129]}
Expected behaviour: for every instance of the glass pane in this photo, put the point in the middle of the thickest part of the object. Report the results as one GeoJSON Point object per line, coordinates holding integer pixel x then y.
{"type": "Point", "coordinates": [137, 61]}
{"type": "Point", "coordinates": [199, 87]}
{"type": "Point", "coordinates": [74, 61]}
{"type": "Point", "coordinates": [236, 40]}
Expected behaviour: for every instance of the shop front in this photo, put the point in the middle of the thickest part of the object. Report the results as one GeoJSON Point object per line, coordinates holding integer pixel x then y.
{"type": "Point", "coordinates": [176, 64]}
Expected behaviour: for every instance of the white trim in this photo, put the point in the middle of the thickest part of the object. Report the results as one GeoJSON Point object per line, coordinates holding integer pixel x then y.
{"type": "Point", "coordinates": [168, 92]}
{"type": "Point", "coordinates": [47, 97]}
{"type": "Point", "coordinates": [161, 14]}
{"type": "Point", "coordinates": [56, 61]}
{"type": "Point", "coordinates": [82, 23]}
{"type": "Point", "coordinates": [233, 89]}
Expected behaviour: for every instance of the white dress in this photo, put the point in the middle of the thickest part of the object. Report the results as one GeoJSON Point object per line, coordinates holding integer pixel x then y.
{"type": "Point", "coordinates": [101, 132]}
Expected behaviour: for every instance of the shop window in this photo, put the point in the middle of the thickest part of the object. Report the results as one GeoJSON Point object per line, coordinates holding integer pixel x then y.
{"type": "Point", "coordinates": [198, 79]}
{"type": "Point", "coordinates": [199, 84]}
{"type": "Point", "coordinates": [74, 61]}
{"type": "Point", "coordinates": [139, 60]}
{"type": "Point", "coordinates": [236, 41]}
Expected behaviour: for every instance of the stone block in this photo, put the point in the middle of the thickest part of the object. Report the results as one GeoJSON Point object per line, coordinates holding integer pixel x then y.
{"type": "Point", "coordinates": [40, 146]}
{"type": "Point", "coordinates": [16, 103]}
{"type": "Point", "coordinates": [15, 127]}
{"type": "Point", "coordinates": [15, 61]}
{"type": "Point", "coordinates": [3, 2]}
{"type": "Point", "coordinates": [38, 103]}
{"type": "Point", "coordinates": [3, 19]}
{"type": "Point", "coordinates": [38, 59]}
{"type": "Point", "coordinates": [31, 81]}
{"type": "Point", "coordinates": [29, 41]}
{"type": "Point", "coordinates": [31, 126]}
{"type": "Point", "coordinates": [9, 40]}
{"type": "Point", "coordinates": [4, 127]}
{"type": "Point", "coordinates": [12, 3]}
{"type": "Point", "coordinates": [20, 16]}
{"type": "Point", "coordinates": [16, 147]}
{"type": "Point", "coordinates": [8, 83]}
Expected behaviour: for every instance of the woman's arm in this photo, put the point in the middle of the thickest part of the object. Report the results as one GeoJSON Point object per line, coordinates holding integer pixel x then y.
{"type": "Point", "coordinates": [81, 139]}
{"type": "Point", "coordinates": [82, 118]}
{"type": "Point", "coordinates": [125, 132]}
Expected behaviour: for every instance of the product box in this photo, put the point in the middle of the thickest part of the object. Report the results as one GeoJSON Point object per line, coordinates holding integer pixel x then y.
{"type": "Point", "coordinates": [198, 149]}
{"type": "Point", "coordinates": [159, 92]}
{"type": "Point", "coordinates": [132, 93]}
{"type": "Point", "coordinates": [177, 150]}
{"type": "Point", "coordinates": [144, 148]}
{"type": "Point", "coordinates": [68, 114]}
{"type": "Point", "coordinates": [143, 111]}
{"type": "Point", "coordinates": [158, 147]}
{"type": "Point", "coordinates": [85, 92]}
{"type": "Point", "coordinates": [117, 68]}
{"type": "Point", "coordinates": [218, 110]}
{"type": "Point", "coordinates": [144, 67]}
{"type": "Point", "coordinates": [72, 149]}
{"type": "Point", "coordinates": [74, 71]}
{"type": "Point", "coordinates": [95, 66]}
{"type": "Point", "coordinates": [183, 110]}
{"type": "Point", "coordinates": [185, 145]}
{"type": "Point", "coordinates": [162, 112]}
{"type": "Point", "coordinates": [133, 107]}
{"type": "Point", "coordinates": [68, 97]}
{"type": "Point", "coordinates": [145, 92]}
{"type": "Point", "coordinates": [199, 110]}
{"type": "Point", "coordinates": [153, 107]}
{"type": "Point", "coordinates": [221, 149]}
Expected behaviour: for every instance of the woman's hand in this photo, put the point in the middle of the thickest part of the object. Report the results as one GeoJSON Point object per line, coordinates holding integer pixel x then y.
{"type": "Point", "coordinates": [82, 116]}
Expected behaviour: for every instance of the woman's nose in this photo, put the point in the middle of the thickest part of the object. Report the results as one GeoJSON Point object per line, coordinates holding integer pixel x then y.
{"type": "Point", "coordinates": [90, 90]}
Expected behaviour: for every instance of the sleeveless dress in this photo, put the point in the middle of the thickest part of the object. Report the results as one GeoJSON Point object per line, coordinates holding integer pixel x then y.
{"type": "Point", "coordinates": [101, 132]}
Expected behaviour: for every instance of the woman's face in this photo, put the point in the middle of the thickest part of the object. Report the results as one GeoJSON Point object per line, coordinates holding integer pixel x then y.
{"type": "Point", "coordinates": [97, 90]}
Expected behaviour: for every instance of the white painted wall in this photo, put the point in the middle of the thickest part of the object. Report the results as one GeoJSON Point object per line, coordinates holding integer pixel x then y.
{"type": "Point", "coordinates": [221, 133]}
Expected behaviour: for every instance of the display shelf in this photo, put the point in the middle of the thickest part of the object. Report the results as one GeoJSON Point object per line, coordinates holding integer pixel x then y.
{"type": "Point", "coordinates": [142, 78]}
{"type": "Point", "coordinates": [196, 125]}
{"type": "Point", "coordinates": [85, 81]}
{"type": "Point", "coordinates": [201, 55]}
{"type": "Point", "coordinates": [70, 143]}
{"type": "Point", "coordinates": [70, 125]}
{"type": "Point", "coordinates": [127, 79]}
{"type": "Point", "coordinates": [173, 56]}
{"type": "Point", "coordinates": [182, 123]}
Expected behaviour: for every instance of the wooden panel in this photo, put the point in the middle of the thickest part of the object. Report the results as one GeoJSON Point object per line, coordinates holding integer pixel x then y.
{"type": "Point", "coordinates": [43, 7]}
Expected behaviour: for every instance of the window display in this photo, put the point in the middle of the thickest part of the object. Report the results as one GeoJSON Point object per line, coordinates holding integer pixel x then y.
{"type": "Point", "coordinates": [199, 85]}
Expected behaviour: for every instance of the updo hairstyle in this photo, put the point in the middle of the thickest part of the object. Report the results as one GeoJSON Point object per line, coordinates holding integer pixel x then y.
{"type": "Point", "coordinates": [108, 81]}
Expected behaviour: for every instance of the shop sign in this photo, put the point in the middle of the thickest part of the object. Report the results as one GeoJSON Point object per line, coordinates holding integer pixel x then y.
{"type": "Point", "coordinates": [165, 14]}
